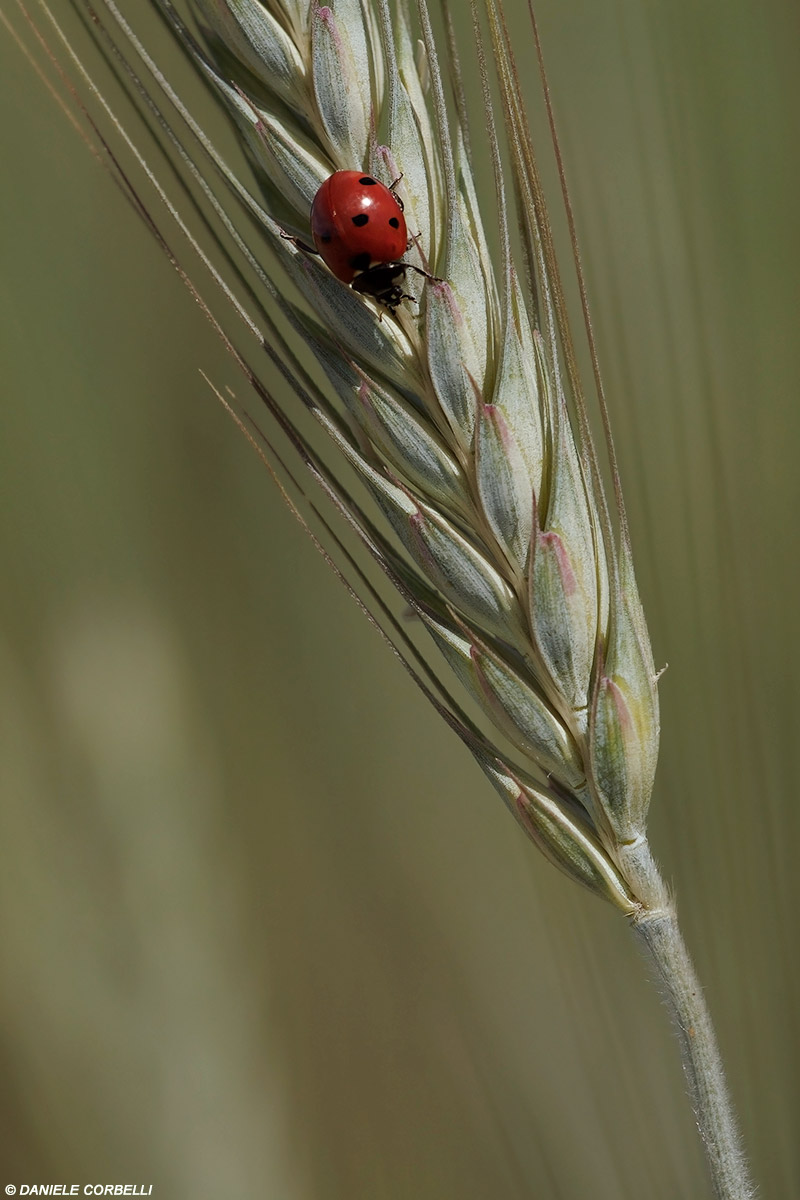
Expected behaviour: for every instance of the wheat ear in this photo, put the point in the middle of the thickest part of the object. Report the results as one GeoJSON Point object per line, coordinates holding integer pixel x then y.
{"type": "Point", "coordinates": [464, 419]}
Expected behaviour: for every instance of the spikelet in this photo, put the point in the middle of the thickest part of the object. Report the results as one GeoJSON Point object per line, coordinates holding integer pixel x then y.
{"type": "Point", "coordinates": [456, 413]}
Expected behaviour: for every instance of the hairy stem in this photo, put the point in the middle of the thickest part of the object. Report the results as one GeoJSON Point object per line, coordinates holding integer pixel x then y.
{"type": "Point", "coordinates": [658, 929]}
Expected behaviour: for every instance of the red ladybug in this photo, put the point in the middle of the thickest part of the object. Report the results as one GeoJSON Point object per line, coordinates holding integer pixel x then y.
{"type": "Point", "coordinates": [360, 234]}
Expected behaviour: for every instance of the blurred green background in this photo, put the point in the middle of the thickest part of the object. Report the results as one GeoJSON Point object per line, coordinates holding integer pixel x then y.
{"type": "Point", "coordinates": [265, 929]}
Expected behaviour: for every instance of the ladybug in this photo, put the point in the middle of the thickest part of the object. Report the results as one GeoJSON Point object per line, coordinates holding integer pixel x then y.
{"type": "Point", "coordinates": [360, 233]}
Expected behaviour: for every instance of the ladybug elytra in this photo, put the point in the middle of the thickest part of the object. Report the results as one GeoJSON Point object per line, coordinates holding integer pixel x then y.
{"type": "Point", "coordinates": [360, 233]}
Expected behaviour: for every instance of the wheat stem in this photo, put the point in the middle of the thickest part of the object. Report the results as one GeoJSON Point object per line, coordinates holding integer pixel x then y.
{"type": "Point", "coordinates": [658, 931]}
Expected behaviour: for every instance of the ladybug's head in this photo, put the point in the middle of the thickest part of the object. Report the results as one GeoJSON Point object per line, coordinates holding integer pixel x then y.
{"type": "Point", "coordinates": [384, 284]}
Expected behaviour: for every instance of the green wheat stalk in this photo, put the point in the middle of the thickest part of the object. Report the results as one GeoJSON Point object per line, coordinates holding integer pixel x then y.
{"type": "Point", "coordinates": [464, 419]}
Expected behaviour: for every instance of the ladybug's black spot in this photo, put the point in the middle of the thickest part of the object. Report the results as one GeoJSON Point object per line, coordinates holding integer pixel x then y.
{"type": "Point", "coordinates": [361, 219]}
{"type": "Point", "coordinates": [393, 221]}
{"type": "Point", "coordinates": [367, 181]}
{"type": "Point", "coordinates": [326, 237]}
{"type": "Point", "coordinates": [360, 262]}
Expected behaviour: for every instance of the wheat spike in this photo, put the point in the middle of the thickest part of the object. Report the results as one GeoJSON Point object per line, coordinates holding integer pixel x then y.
{"type": "Point", "coordinates": [455, 413]}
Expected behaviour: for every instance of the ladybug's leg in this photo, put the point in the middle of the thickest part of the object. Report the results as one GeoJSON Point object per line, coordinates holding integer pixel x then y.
{"type": "Point", "coordinates": [419, 270]}
{"type": "Point", "coordinates": [301, 245]}
{"type": "Point", "coordinates": [392, 186]}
